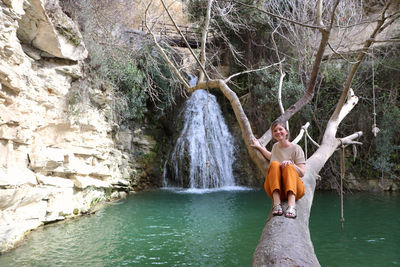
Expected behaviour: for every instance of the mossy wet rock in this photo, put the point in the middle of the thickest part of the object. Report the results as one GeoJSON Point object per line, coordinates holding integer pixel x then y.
{"type": "Point", "coordinates": [178, 173]}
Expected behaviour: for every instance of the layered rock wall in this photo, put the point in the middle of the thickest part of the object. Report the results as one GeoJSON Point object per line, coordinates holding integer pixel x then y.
{"type": "Point", "coordinates": [55, 162]}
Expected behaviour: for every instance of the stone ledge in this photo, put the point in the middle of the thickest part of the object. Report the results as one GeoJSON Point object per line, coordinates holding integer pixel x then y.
{"type": "Point", "coordinates": [55, 181]}
{"type": "Point", "coordinates": [85, 182]}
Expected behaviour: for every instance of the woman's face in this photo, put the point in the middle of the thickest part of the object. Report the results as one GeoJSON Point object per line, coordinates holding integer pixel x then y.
{"type": "Point", "coordinates": [279, 132]}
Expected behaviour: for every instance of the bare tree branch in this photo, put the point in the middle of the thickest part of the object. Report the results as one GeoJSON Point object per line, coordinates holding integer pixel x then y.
{"type": "Point", "coordinates": [164, 55]}
{"type": "Point", "coordinates": [339, 54]}
{"type": "Point", "coordinates": [184, 39]}
{"type": "Point", "coordinates": [360, 57]}
{"type": "Point", "coordinates": [301, 133]}
{"type": "Point", "coordinates": [248, 71]}
{"type": "Point", "coordinates": [281, 76]}
{"type": "Point", "coordinates": [348, 140]}
{"type": "Point", "coordinates": [319, 13]}
{"type": "Point", "coordinates": [309, 93]}
{"type": "Point", "coordinates": [204, 41]}
{"type": "Point", "coordinates": [352, 100]}
{"type": "Point", "coordinates": [392, 19]}
{"type": "Point", "coordinates": [385, 41]}
{"type": "Point", "coordinates": [277, 16]}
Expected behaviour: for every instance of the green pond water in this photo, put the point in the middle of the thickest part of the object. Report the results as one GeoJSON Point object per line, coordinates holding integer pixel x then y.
{"type": "Point", "coordinates": [211, 228]}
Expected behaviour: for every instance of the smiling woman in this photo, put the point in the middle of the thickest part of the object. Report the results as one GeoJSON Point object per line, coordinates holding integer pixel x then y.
{"type": "Point", "coordinates": [287, 165]}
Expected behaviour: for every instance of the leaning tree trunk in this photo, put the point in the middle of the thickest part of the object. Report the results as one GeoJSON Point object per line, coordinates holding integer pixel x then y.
{"type": "Point", "coordinates": [286, 242]}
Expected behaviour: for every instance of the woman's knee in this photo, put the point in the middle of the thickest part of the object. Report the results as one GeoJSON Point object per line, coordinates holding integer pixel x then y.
{"type": "Point", "coordinates": [274, 164]}
{"type": "Point", "coordinates": [288, 167]}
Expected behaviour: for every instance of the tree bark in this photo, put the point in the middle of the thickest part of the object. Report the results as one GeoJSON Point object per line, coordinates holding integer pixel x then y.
{"type": "Point", "coordinates": [287, 242]}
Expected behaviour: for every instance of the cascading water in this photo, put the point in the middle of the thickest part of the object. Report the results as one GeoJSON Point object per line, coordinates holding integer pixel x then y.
{"type": "Point", "coordinates": [203, 154]}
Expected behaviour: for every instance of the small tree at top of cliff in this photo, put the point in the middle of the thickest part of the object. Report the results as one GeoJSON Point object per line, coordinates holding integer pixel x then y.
{"type": "Point", "coordinates": [293, 235]}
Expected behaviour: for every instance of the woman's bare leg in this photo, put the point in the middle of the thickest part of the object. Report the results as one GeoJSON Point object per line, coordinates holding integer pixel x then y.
{"type": "Point", "coordinates": [276, 196]}
{"type": "Point", "coordinates": [291, 210]}
{"type": "Point", "coordinates": [291, 199]}
{"type": "Point", "coordinates": [276, 208]}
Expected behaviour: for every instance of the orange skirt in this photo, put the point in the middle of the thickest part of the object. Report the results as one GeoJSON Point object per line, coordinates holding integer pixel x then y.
{"type": "Point", "coordinates": [283, 179]}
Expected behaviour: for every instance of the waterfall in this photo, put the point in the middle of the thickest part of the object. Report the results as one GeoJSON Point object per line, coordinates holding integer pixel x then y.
{"type": "Point", "coordinates": [203, 154]}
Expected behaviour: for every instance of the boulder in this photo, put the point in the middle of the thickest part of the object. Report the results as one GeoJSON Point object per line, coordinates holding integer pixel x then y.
{"type": "Point", "coordinates": [47, 28]}
{"type": "Point", "coordinates": [47, 158]}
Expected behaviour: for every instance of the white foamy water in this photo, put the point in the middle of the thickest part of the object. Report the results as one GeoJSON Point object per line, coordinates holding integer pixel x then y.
{"type": "Point", "coordinates": [204, 152]}
{"type": "Point", "coordinates": [181, 190]}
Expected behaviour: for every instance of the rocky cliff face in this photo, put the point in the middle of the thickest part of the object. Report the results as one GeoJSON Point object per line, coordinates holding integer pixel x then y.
{"type": "Point", "coordinates": [54, 163]}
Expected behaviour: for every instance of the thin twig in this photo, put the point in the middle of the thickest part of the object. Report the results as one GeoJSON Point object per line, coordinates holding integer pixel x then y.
{"type": "Point", "coordinates": [340, 55]}
{"type": "Point", "coordinates": [281, 76]}
{"type": "Point", "coordinates": [385, 41]}
{"type": "Point", "coordinates": [277, 16]}
{"type": "Point", "coordinates": [164, 55]}
{"type": "Point", "coordinates": [253, 70]}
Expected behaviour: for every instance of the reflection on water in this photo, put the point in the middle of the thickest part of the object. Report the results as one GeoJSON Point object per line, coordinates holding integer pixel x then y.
{"type": "Point", "coordinates": [371, 235]}
{"type": "Point", "coordinates": [213, 228]}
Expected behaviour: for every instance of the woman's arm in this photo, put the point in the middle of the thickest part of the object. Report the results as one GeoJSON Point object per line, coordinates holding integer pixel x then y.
{"type": "Point", "coordinates": [256, 144]}
{"type": "Point", "coordinates": [300, 168]}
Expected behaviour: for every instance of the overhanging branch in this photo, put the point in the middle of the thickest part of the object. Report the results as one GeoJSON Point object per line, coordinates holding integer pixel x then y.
{"type": "Point", "coordinates": [360, 57]}
{"type": "Point", "coordinates": [277, 16]}
{"type": "Point", "coordinates": [184, 39]}
{"type": "Point", "coordinates": [164, 55]}
{"type": "Point", "coordinates": [253, 70]}
{"type": "Point", "coordinates": [309, 93]}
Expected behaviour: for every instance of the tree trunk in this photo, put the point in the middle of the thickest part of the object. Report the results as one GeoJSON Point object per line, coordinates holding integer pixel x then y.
{"type": "Point", "coordinates": [287, 242]}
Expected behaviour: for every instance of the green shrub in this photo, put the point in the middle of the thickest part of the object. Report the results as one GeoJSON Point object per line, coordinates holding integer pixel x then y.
{"type": "Point", "coordinates": [139, 80]}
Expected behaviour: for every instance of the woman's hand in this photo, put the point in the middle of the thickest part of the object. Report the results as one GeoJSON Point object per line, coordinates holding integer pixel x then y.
{"type": "Point", "coordinates": [255, 143]}
{"type": "Point", "coordinates": [300, 168]}
{"type": "Point", "coordinates": [286, 163]}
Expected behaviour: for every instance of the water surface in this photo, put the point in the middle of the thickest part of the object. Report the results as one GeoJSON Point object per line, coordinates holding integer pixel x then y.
{"type": "Point", "coordinates": [371, 235]}
{"type": "Point", "coordinates": [211, 228]}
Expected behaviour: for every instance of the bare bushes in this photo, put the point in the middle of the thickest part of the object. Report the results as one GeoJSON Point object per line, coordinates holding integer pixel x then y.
{"type": "Point", "coordinates": [123, 64]}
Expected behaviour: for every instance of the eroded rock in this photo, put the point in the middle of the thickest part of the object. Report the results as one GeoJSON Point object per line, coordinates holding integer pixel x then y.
{"type": "Point", "coordinates": [55, 161]}
{"type": "Point", "coordinates": [44, 26]}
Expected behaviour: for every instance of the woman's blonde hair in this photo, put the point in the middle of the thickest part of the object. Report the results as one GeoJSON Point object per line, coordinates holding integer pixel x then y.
{"type": "Point", "coordinates": [281, 123]}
